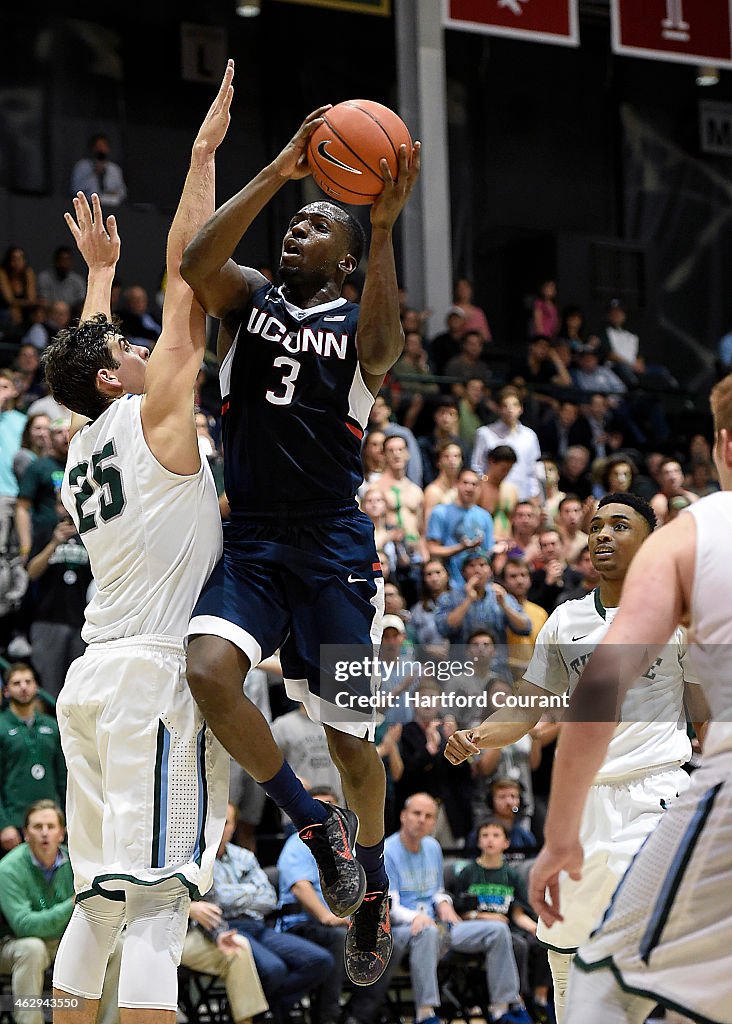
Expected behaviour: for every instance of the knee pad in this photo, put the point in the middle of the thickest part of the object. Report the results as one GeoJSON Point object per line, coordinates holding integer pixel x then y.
{"type": "Point", "coordinates": [90, 937]}
{"type": "Point", "coordinates": [560, 964]}
{"type": "Point", "coordinates": [157, 919]}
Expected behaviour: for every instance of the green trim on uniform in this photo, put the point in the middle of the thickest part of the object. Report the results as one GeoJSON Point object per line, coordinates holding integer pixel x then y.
{"type": "Point", "coordinates": [599, 606]}
{"type": "Point", "coordinates": [571, 950]}
{"type": "Point", "coordinates": [96, 889]}
{"type": "Point", "coordinates": [668, 1004]}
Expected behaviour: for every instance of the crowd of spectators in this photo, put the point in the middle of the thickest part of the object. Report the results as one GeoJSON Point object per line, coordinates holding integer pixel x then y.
{"type": "Point", "coordinates": [483, 464]}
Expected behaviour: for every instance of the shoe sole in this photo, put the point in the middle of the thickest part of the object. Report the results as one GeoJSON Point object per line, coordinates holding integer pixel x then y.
{"type": "Point", "coordinates": [372, 981]}
{"type": "Point", "coordinates": [351, 824]}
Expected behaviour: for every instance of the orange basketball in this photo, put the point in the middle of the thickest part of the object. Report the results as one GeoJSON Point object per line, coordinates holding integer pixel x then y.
{"type": "Point", "coordinates": [345, 150]}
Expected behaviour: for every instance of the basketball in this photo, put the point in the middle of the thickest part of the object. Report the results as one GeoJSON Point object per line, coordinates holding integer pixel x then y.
{"type": "Point", "coordinates": [345, 150]}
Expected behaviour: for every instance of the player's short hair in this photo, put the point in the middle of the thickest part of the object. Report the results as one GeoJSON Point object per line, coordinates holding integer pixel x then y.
{"type": "Point", "coordinates": [44, 805]}
{"type": "Point", "coordinates": [492, 822]}
{"type": "Point", "coordinates": [72, 360]}
{"type": "Point", "coordinates": [639, 505]}
{"type": "Point", "coordinates": [720, 401]}
{"type": "Point", "coordinates": [502, 453]}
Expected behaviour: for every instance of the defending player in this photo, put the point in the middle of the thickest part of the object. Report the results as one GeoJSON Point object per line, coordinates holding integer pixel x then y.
{"type": "Point", "coordinates": [641, 774]}
{"type": "Point", "coordinates": [667, 935]}
{"type": "Point", "coordinates": [300, 367]}
{"type": "Point", "coordinates": [148, 782]}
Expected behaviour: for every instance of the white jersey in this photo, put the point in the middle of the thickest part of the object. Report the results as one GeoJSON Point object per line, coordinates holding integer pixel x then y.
{"type": "Point", "coordinates": [652, 730]}
{"type": "Point", "coordinates": [711, 601]}
{"type": "Point", "coordinates": [153, 536]}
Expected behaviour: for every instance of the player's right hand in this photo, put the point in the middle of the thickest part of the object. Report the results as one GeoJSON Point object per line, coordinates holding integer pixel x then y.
{"type": "Point", "coordinates": [460, 746]}
{"type": "Point", "coordinates": [544, 878]}
{"type": "Point", "coordinates": [292, 162]}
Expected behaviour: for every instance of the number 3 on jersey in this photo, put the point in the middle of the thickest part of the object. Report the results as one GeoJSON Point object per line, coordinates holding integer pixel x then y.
{"type": "Point", "coordinates": [288, 379]}
{"type": "Point", "coordinates": [108, 478]}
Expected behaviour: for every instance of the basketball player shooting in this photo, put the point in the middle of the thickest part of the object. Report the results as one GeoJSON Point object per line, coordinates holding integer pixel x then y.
{"type": "Point", "coordinates": [147, 783]}
{"type": "Point", "coordinates": [300, 367]}
{"type": "Point", "coordinates": [641, 774]}
{"type": "Point", "coordinates": [667, 934]}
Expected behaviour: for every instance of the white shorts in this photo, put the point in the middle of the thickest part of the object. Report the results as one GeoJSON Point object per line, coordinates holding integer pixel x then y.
{"type": "Point", "coordinates": [147, 780]}
{"type": "Point", "coordinates": [667, 933]}
{"type": "Point", "coordinates": [616, 821]}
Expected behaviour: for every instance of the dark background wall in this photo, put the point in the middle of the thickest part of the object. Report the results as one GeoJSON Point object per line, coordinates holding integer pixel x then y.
{"type": "Point", "coordinates": [562, 161]}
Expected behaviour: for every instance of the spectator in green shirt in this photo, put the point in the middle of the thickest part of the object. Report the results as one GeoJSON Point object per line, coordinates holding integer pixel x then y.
{"type": "Point", "coordinates": [32, 765]}
{"type": "Point", "coordinates": [488, 889]}
{"type": "Point", "coordinates": [36, 900]}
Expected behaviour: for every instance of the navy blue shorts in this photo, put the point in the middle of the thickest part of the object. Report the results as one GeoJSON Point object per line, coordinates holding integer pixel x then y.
{"type": "Point", "coordinates": [295, 582]}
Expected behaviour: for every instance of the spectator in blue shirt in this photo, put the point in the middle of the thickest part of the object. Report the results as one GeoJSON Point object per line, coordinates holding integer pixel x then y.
{"type": "Point", "coordinates": [299, 885]}
{"type": "Point", "coordinates": [459, 527]}
{"type": "Point", "coordinates": [288, 966]}
{"type": "Point", "coordinates": [425, 922]}
{"type": "Point", "coordinates": [481, 604]}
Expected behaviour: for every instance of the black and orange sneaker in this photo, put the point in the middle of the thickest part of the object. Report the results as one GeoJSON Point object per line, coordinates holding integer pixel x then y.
{"type": "Point", "coordinates": [342, 878]}
{"type": "Point", "coordinates": [369, 941]}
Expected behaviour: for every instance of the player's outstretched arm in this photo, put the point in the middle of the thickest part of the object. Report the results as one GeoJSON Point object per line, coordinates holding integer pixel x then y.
{"type": "Point", "coordinates": [99, 244]}
{"type": "Point", "coordinates": [654, 599]}
{"type": "Point", "coordinates": [221, 286]}
{"type": "Point", "coordinates": [380, 339]}
{"type": "Point", "coordinates": [505, 726]}
{"type": "Point", "coordinates": [167, 408]}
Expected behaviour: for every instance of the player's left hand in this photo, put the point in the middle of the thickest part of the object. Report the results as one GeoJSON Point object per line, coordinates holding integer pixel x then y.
{"type": "Point", "coordinates": [545, 875]}
{"type": "Point", "coordinates": [292, 162]}
{"type": "Point", "coordinates": [97, 242]}
{"type": "Point", "coordinates": [216, 122]}
{"type": "Point", "coordinates": [387, 207]}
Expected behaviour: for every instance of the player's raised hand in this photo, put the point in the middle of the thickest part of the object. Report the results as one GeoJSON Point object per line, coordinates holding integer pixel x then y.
{"type": "Point", "coordinates": [216, 122]}
{"type": "Point", "coordinates": [292, 162]}
{"type": "Point", "coordinates": [387, 207]}
{"type": "Point", "coordinates": [96, 240]}
{"type": "Point", "coordinates": [544, 876]}
{"type": "Point", "coordinates": [460, 746]}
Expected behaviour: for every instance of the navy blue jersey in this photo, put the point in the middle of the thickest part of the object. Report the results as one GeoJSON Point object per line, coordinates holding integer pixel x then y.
{"type": "Point", "coordinates": [295, 405]}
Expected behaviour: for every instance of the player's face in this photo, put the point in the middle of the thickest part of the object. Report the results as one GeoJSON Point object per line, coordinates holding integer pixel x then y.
{"type": "Point", "coordinates": [314, 245]}
{"type": "Point", "coordinates": [616, 533]}
{"type": "Point", "coordinates": [132, 366]}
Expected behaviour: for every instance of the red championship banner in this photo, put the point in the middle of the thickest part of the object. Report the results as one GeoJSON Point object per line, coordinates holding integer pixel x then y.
{"type": "Point", "coordinates": [543, 21]}
{"type": "Point", "coordinates": [688, 31]}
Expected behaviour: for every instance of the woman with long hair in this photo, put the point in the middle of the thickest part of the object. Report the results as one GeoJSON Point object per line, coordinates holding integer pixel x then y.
{"type": "Point", "coordinates": [17, 287]}
{"type": "Point", "coordinates": [422, 628]}
{"type": "Point", "coordinates": [34, 443]}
